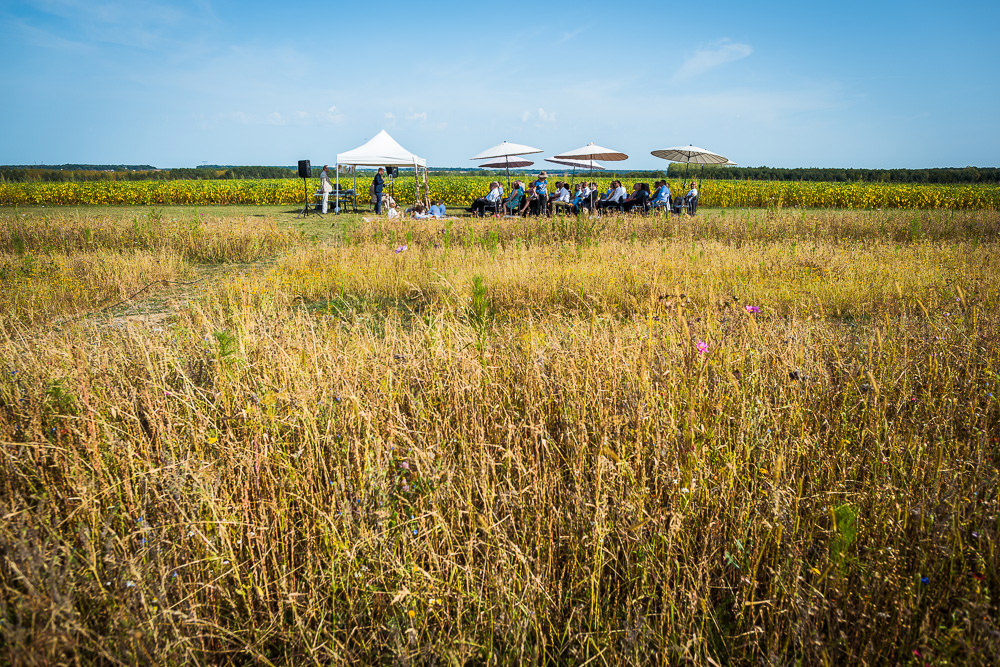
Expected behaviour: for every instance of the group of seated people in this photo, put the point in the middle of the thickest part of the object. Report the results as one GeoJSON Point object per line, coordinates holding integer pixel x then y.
{"type": "Point", "coordinates": [536, 199]}
{"type": "Point", "coordinates": [419, 211]}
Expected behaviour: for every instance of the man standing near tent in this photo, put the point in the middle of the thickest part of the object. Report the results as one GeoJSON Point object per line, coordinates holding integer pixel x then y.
{"type": "Point", "coordinates": [325, 187]}
{"type": "Point", "coordinates": [377, 186]}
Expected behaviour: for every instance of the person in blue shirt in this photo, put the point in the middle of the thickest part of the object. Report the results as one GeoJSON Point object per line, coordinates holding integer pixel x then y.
{"type": "Point", "coordinates": [437, 210]}
{"type": "Point", "coordinates": [662, 196]}
{"type": "Point", "coordinates": [540, 198]}
{"type": "Point", "coordinates": [580, 193]}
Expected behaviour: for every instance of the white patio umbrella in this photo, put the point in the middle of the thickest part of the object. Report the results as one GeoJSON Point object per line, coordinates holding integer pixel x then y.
{"type": "Point", "coordinates": [506, 149]}
{"type": "Point", "coordinates": [578, 164]}
{"type": "Point", "coordinates": [689, 154]}
{"type": "Point", "coordinates": [592, 152]}
{"type": "Point", "coordinates": [507, 163]}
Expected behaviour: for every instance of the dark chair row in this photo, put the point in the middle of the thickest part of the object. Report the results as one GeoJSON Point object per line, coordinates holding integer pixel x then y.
{"type": "Point", "coordinates": [679, 204]}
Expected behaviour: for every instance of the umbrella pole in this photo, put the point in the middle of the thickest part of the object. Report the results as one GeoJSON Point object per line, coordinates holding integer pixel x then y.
{"type": "Point", "coordinates": [591, 180]}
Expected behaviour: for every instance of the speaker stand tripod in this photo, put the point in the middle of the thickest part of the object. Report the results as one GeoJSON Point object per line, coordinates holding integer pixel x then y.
{"type": "Point", "coordinates": [307, 210]}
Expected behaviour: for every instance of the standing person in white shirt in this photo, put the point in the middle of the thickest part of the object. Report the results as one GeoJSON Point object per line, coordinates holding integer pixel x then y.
{"type": "Point", "coordinates": [325, 187]}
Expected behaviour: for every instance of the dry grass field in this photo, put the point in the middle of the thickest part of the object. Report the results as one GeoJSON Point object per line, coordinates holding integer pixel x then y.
{"type": "Point", "coordinates": [753, 437]}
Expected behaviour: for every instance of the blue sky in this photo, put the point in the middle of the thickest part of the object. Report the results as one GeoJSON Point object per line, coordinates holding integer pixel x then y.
{"type": "Point", "coordinates": [182, 83]}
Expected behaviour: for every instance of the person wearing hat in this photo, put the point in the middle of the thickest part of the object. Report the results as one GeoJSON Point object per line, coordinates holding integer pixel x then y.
{"type": "Point", "coordinates": [541, 197]}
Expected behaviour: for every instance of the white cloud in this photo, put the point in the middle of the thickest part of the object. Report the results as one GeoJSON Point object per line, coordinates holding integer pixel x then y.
{"type": "Point", "coordinates": [542, 116]}
{"type": "Point", "coordinates": [297, 118]}
{"type": "Point", "coordinates": [417, 116]}
{"type": "Point", "coordinates": [332, 109]}
{"type": "Point", "coordinates": [389, 115]}
{"type": "Point", "coordinates": [708, 59]}
{"type": "Point", "coordinates": [331, 116]}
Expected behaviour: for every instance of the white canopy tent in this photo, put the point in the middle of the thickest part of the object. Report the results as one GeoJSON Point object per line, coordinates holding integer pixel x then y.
{"type": "Point", "coordinates": [381, 151]}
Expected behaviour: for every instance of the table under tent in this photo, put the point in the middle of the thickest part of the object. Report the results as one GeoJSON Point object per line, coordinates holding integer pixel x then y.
{"type": "Point", "coordinates": [384, 151]}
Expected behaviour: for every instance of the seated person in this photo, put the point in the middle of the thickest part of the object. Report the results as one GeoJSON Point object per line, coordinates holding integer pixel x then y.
{"type": "Point", "coordinates": [598, 197]}
{"type": "Point", "coordinates": [591, 195]}
{"type": "Point", "coordinates": [513, 202]}
{"type": "Point", "coordinates": [691, 198]}
{"type": "Point", "coordinates": [678, 204]}
{"type": "Point", "coordinates": [576, 203]}
{"type": "Point", "coordinates": [559, 198]}
{"type": "Point", "coordinates": [530, 196]}
{"type": "Point", "coordinates": [438, 210]}
{"type": "Point", "coordinates": [421, 212]}
{"type": "Point", "coordinates": [638, 198]}
{"type": "Point", "coordinates": [661, 197]}
{"type": "Point", "coordinates": [555, 191]}
{"type": "Point", "coordinates": [418, 211]}
{"type": "Point", "coordinates": [490, 200]}
{"type": "Point", "coordinates": [614, 198]}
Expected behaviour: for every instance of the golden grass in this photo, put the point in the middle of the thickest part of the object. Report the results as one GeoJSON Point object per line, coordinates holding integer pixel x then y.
{"type": "Point", "coordinates": [198, 237]}
{"type": "Point", "coordinates": [57, 266]}
{"type": "Point", "coordinates": [542, 450]}
{"type": "Point", "coordinates": [35, 289]}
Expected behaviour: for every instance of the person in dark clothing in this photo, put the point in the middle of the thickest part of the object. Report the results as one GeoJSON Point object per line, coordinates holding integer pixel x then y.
{"type": "Point", "coordinates": [377, 186]}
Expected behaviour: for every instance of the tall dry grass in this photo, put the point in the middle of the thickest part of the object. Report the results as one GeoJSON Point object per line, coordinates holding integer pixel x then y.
{"type": "Point", "coordinates": [52, 287]}
{"type": "Point", "coordinates": [59, 266]}
{"type": "Point", "coordinates": [199, 237]}
{"type": "Point", "coordinates": [554, 451]}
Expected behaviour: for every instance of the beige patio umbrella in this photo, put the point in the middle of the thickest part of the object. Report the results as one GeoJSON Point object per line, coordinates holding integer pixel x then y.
{"type": "Point", "coordinates": [689, 154]}
{"type": "Point", "coordinates": [578, 164]}
{"type": "Point", "coordinates": [507, 163]}
{"type": "Point", "coordinates": [506, 149]}
{"type": "Point", "coordinates": [592, 152]}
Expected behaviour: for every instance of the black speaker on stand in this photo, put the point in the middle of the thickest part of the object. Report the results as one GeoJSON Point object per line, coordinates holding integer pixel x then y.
{"type": "Point", "coordinates": [305, 171]}
{"type": "Point", "coordinates": [392, 173]}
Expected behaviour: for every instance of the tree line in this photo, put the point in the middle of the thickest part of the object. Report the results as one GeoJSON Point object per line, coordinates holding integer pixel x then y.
{"type": "Point", "coordinates": [69, 174]}
{"type": "Point", "coordinates": [836, 175]}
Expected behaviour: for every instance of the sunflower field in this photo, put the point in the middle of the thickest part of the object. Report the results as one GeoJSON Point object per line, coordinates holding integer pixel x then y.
{"type": "Point", "coordinates": [462, 189]}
